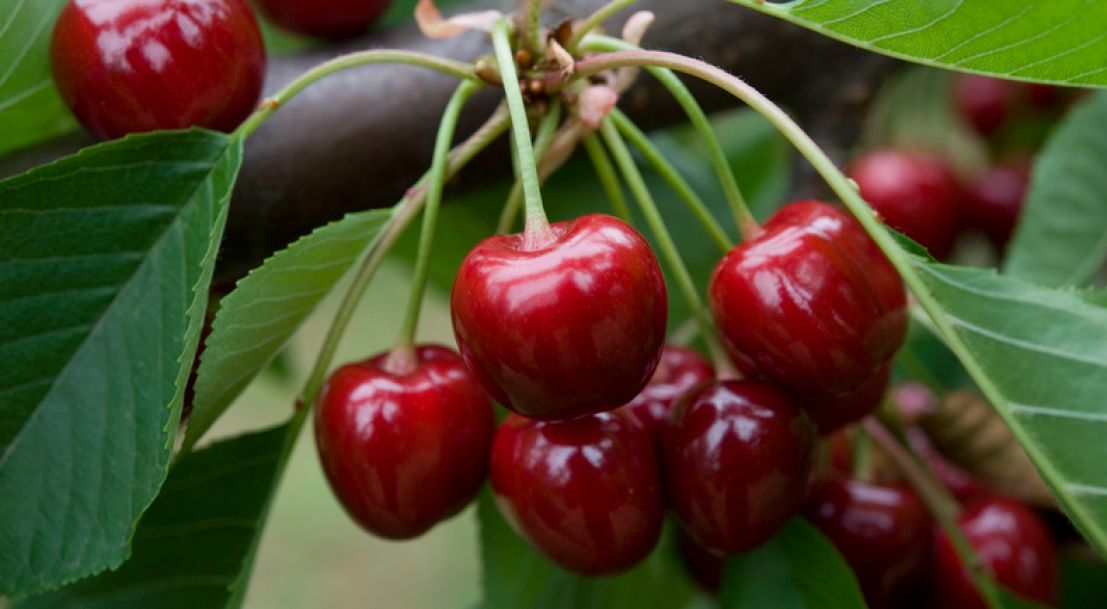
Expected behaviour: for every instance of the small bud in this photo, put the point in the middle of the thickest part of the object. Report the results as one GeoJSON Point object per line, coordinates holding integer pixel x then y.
{"type": "Point", "coordinates": [487, 70]}
{"type": "Point", "coordinates": [524, 59]}
{"type": "Point", "coordinates": [563, 32]}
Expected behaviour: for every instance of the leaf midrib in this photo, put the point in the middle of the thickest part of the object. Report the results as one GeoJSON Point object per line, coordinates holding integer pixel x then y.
{"type": "Point", "coordinates": [172, 227]}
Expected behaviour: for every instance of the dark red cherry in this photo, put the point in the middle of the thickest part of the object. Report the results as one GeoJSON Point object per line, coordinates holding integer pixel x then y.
{"type": "Point", "coordinates": [811, 303]}
{"type": "Point", "coordinates": [736, 462]}
{"type": "Point", "coordinates": [680, 369]}
{"type": "Point", "coordinates": [995, 199]}
{"type": "Point", "coordinates": [883, 532]}
{"type": "Point", "coordinates": [404, 449]}
{"type": "Point", "coordinates": [832, 411]}
{"type": "Point", "coordinates": [1012, 543]}
{"type": "Point", "coordinates": [585, 491]}
{"type": "Point", "coordinates": [914, 193]}
{"type": "Point", "coordinates": [705, 567]}
{"type": "Point", "coordinates": [138, 65]}
{"type": "Point", "coordinates": [984, 102]}
{"type": "Point", "coordinates": [324, 18]}
{"type": "Point", "coordinates": [566, 328]}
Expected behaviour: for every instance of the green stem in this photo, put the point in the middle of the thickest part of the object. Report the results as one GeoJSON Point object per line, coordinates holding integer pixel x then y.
{"type": "Point", "coordinates": [670, 174]}
{"type": "Point", "coordinates": [402, 358]}
{"type": "Point", "coordinates": [605, 171]}
{"type": "Point", "coordinates": [537, 230]}
{"type": "Point", "coordinates": [668, 248]}
{"type": "Point", "coordinates": [547, 129]}
{"type": "Point", "coordinates": [270, 105]}
{"type": "Point", "coordinates": [747, 225]}
{"type": "Point", "coordinates": [943, 507]}
{"type": "Point", "coordinates": [402, 214]}
{"type": "Point", "coordinates": [594, 21]}
{"type": "Point", "coordinates": [532, 34]}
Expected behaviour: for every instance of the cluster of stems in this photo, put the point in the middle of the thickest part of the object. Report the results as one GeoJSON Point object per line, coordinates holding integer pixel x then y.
{"type": "Point", "coordinates": [614, 164]}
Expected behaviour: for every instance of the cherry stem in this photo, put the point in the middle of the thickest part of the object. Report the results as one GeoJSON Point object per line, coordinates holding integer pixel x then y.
{"type": "Point", "coordinates": [531, 38]}
{"type": "Point", "coordinates": [637, 183]}
{"type": "Point", "coordinates": [670, 174]}
{"type": "Point", "coordinates": [747, 225]}
{"type": "Point", "coordinates": [402, 359]}
{"type": "Point", "coordinates": [609, 179]}
{"type": "Point", "coordinates": [402, 215]}
{"type": "Point", "coordinates": [270, 105]}
{"type": "Point", "coordinates": [940, 503]}
{"type": "Point", "coordinates": [537, 233]}
{"type": "Point", "coordinates": [547, 129]}
{"type": "Point", "coordinates": [594, 21]}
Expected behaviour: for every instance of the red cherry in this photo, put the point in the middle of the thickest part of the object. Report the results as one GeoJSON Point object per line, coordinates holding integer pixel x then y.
{"type": "Point", "coordinates": [995, 199]}
{"type": "Point", "coordinates": [833, 411]}
{"type": "Point", "coordinates": [1012, 543]}
{"type": "Point", "coordinates": [680, 370]}
{"type": "Point", "coordinates": [404, 450]}
{"type": "Point", "coordinates": [914, 193]}
{"type": "Point", "coordinates": [138, 65]}
{"type": "Point", "coordinates": [324, 18]}
{"type": "Point", "coordinates": [572, 327]}
{"type": "Point", "coordinates": [883, 532]}
{"type": "Point", "coordinates": [983, 101]}
{"type": "Point", "coordinates": [585, 491]}
{"type": "Point", "coordinates": [736, 462]}
{"type": "Point", "coordinates": [811, 303]}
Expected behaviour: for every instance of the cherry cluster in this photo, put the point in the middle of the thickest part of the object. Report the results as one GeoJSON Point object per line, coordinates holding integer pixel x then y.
{"type": "Point", "coordinates": [565, 327]}
{"type": "Point", "coordinates": [931, 200]}
{"type": "Point", "coordinates": [125, 66]}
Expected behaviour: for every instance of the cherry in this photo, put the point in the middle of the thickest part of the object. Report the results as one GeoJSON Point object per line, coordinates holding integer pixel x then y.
{"type": "Point", "coordinates": [883, 532]}
{"type": "Point", "coordinates": [584, 491]}
{"type": "Point", "coordinates": [811, 303]}
{"type": "Point", "coordinates": [404, 446]}
{"type": "Point", "coordinates": [995, 199]}
{"type": "Point", "coordinates": [680, 369]}
{"type": "Point", "coordinates": [736, 462]}
{"type": "Point", "coordinates": [914, 193]}
{"type": "Point", "coordinates": [983, 101]}
{"type": "Point", "coordinates": [566, 328]}
{"type": "Point", "coordinates": [832, 411]}
{"type": "Point", "coordinates": [138, 65]}
{"type": "Point", "coordinates": [1012, 543]}
{"type": "Point", "coordinates": [324, 18]}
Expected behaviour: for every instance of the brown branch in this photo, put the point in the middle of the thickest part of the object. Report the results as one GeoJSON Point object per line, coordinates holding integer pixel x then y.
{"type": "Point", "coordinates": [358, 139]}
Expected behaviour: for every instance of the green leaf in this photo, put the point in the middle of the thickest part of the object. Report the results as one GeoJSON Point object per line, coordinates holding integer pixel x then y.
{"type": "Point", "coordinates": [106, 260]}
{"type": "Point", "coordinates": [797, 569]}
{"type": "Point", "coordinates": [1040, 356]}
{"type": "Point", "coordinates": [30, 109]}
{"type": "Point", "coordinates": [516, 575]}
{"type": "Point", "coordinates": [1082, 580]}
{"type": "Point", "coordinates": [196, 544]}
{"type": "Point", "coordinates": [1062, 236]}
{"type": "Point", "coordinates": [1059, 42]}
{"type": "Point", "coordinates": [267, 306]}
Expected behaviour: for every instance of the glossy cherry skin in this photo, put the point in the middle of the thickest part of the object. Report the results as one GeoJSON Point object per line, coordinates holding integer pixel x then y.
{"type": "Point", "coordinates": [913, 193]}
{"type": "Point", "coordinates": [1013, 544]}
{"type": "Point", "coordinates": [736, 460]}
{"type": "Point", "coordinates": [680, 369]}
{"type": "Point", "coordinates": [883, 532]}
{"type": "Point", "coordinates": [402, 451]}
{"type": "Point", "coordinates": [585, 491]}
{"type": "Point", "coordinates": [833, 411]}
{"type": "Point", "coordinates": [324, 18]}
{"type": "Point", "coordinates": [572, 327]}
{"type": "Point", "coordinates": [811, 303]}
{"type": "Point", "coordinates": [705, 567]}
{"type": "Point", "coordinates": [995, 200]}
{"type": "Point", "coordinates": [124, 66]}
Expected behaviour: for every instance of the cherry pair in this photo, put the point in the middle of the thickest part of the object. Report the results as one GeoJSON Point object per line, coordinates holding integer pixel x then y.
{"type": "Point", "coordinates": [919, 195]}
{"type": "Point", "coordinates": [813, 305]}
{"type": "Point", "coordinates": [588, 492]}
